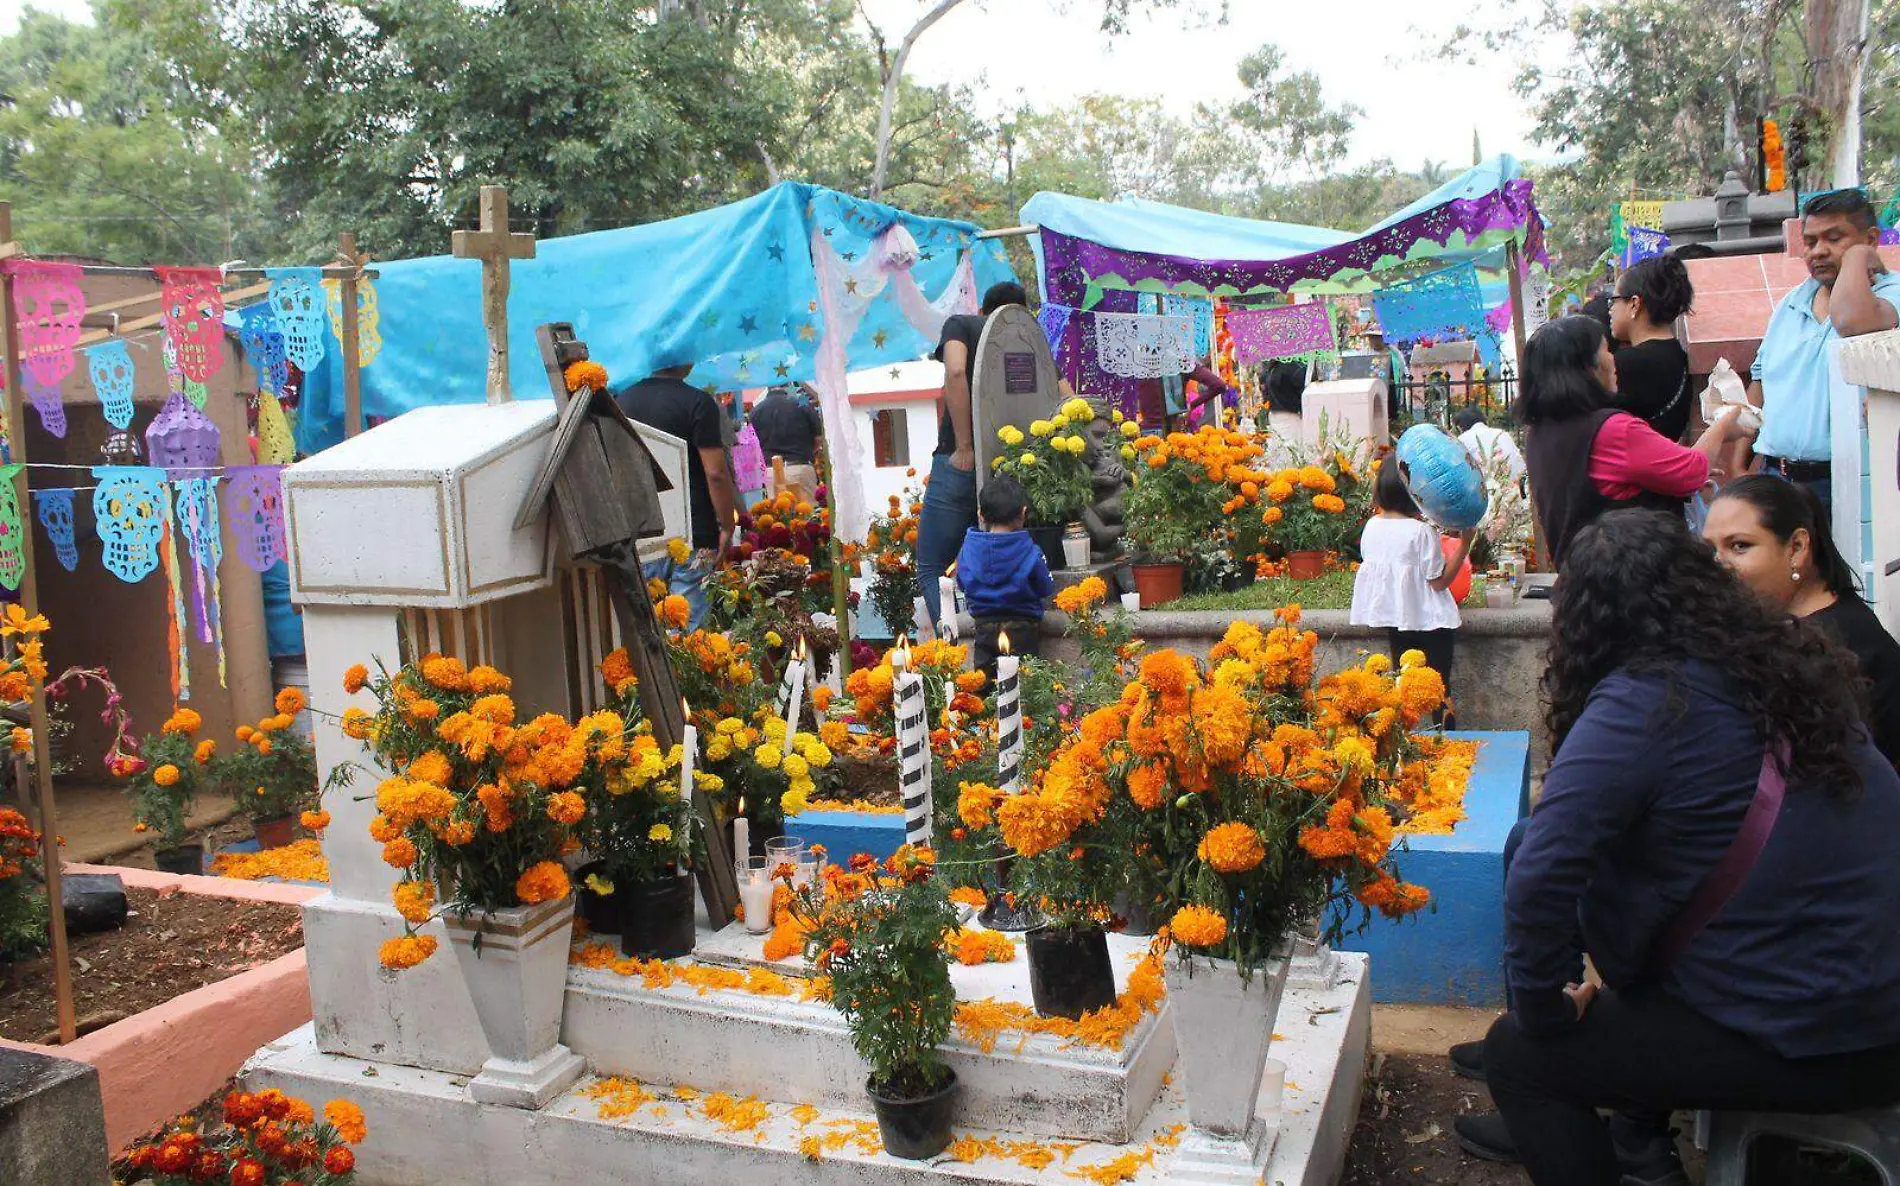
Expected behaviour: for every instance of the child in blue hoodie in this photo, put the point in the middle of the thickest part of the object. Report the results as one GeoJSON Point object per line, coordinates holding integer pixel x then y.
{"type": "Point", "coordinates": [1003, 574]}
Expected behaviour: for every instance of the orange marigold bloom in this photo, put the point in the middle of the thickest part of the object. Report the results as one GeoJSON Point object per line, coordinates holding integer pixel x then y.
{"type": "Point", "coordinates": [404, 951]}
{"type": "Point", "coordinates": [1148, 785]}
{"type": "Point", "coordinates": [1168, 673]}
{"type": "Point", "coordinates": [433, 767]}
{"type": "Point", "coordinates": [544, 882]}
{"type": "Point", "coordinates": [675, 611]}
{"type": "Point", "coordinates": [585, 373]}
{"type": "Point", "coordinates": [347, 1119]}
{"type": "Point", "coordinates": [356, 724]}
{"type": "Point", "coordinates": [291, 701]}
{"type": "Point", "coordinates": [495, 708]}
{"type": "Point", "coordinates": [415, 900]}
{"type": "Point", "coordinates": [424, 710]}
{"type": "Point", "coordinates": [400, 853]}
{"type": "Point", "coordinates": [356, 678]}
{"type": "Point", "coordinates": [184, 720]}
{"type": "Point", "coordinates": [314, 821]}
{"type": "Point", "coordinates": [166, 775]}
{"type": "Point", "coordinates": [617, 667]}
{"type": "Point", "coordinates": [445, 673]}
{"type": "Point", "coordinates": [207, 749]}
{"type": "Point", "coordinates": [1232, 848]}
{"type": "Point", "coordinates": [495, 803]}
{"type": "Point", "coordinates": [1394, 898]}
{"type": "Point", "coordinates": [1197, 926]}
{"type": "Point", "coordinates": [566, 808]}
{"type": "Point", "coordinates": [485, 679]}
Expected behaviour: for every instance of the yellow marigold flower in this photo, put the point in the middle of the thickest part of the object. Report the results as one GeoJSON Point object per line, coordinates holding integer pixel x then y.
{"type": "Point", "coordinates": [446, 673]}
{"type": "Point", "coordinates": [660, 833]}
{"type": "Point", "coordinates": [485, 679]}
{"type": "Point", "coordinates": [1041, 428]}
{"type": "Point", "coordinates": [166, 775]}
{"type": "Point", "coordinates": [1197, 926]}
{"type": "Point", "coordinates": [22, 740]}
{"type": "Point", "coordinates": [566, 808]}
{"type": "Point", "coordinates": [207, 749]}
{"type": "Point", "coordinates": [774, 639]}
{"type": "Point", "coordinates": [16, 621]}
{"type": "Point", "coordinates": [415, 900]}
{"type": "Point", "coordinates": [405, 951]}
{"type": "Point", "coordinates": [1010, 435]}
{"type": "Point", "coordinates": [356, 724]}
{"type": "Point", "coordinates": [768, 755]}
{"type": "Point", "coordinates": [184, 720]}
{"type": "Point", "coordinates": [1232, 848]}
{"type": "Point", "coordinates": [545, 882]}
{"type": "Point", "coordinates": [1410, 659]}
{"type": "Point", "coordinates": [679, 550]}
{"type": "Point", "coordinates": [1128, 453]}
{"type": "Point", "coordinates": [1130, 429]}
{"type": "Point", "coordinates": [314, 821]}
{"type": "Point", "coordinates": [291, 701]}
{"type": "Point", "coordinates": [795, 766]}
{"type": "Point", "coordinates": [1028, 459]}
{"type": "Point", "coordinates": [347, 1119]}
{"type": "Point", "coordinates": [1378, 664]}
{"type": "Point", "coordinates": [356, 678]}
{"type": "Point", "coordinates": [400, 853]}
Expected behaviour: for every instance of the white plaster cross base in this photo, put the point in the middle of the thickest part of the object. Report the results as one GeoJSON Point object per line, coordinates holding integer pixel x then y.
{"type": "Point", "coordinates": [515, 964]}
{"type": "Point", "coordinates": [533, 1084]}
{"type": "Point", "coordinates": [1239, 1160]}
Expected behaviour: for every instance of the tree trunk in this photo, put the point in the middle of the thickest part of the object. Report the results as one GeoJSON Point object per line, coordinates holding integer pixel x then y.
{"type": "Point", "coordinates": [1836, 36]}
{"type": "Point", "coordinates": [893, 72]}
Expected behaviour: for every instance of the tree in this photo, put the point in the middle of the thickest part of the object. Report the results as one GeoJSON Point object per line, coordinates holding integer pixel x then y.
{"type": "Point", "coordinates": [1293, 130]}
{"type": "Point", "coordinates": [99, 161]}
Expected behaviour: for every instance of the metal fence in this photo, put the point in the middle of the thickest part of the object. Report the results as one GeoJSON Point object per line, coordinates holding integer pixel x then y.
{"type": "Point", "coordinates": [1438, 398]}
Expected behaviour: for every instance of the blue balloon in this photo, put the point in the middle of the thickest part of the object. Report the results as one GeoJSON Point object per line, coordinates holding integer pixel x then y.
{"type": "Point", "coordinates": [1442, 477]}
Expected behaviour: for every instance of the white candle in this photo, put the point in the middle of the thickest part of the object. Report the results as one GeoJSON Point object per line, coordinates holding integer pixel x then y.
{"type": "Point", "coordinates": [1131, 602]}
{"type": "Point", "coordinates": [792, 703]}
{"type": "Point", "coordinates": [755, 893]}
{"type": "Point", "coordinates": [1009, 718]}
{"type": "Point", "coordinates": [913, 748]}
{"type": "Point", "coordinates": [689, 745]}
{"type": "Point", "coordinates": [741, 838]}
{"type": "Point", "coordinates": [947, 601]}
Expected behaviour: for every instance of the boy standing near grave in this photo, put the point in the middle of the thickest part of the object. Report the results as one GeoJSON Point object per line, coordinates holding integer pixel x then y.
{"type": "Point", "coordinates": [1003, 575]}
{"type": "Point", "coordinates": [666, 401]}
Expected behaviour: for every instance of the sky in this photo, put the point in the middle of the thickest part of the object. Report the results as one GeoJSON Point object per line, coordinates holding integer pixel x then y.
{"type": "Point", "coordinates": [1369, 52]}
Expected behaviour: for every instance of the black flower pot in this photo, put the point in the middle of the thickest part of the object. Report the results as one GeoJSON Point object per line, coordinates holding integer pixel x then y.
{"type": "Point", "coordinates": [1049, 539]}
{"type": "Point", "coordinates": [656, 917]}
{"type": "Point", "coordinates": [916, 1129]}
{"type": "Point", "coordinates": [185, 858]}
{"type": "Point", "coordinates": [600, 912]}
{"type": "Point", "coordinates": [1069, 971]}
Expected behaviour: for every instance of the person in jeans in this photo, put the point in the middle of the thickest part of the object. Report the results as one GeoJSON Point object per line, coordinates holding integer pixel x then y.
{"type": "Point", "coordinates": [1848, 292]}
{"type": "Point", "coordinates": [666, 401]}
{"type": "Point", "coordinates": [950, 497]}
{"type": "Point", "coordinates": [1004, 576]}
{"type": "Point", "coordinates": [1680, 703]}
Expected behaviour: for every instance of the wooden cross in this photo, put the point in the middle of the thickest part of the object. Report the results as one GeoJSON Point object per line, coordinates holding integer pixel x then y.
{"type": "Point", "coordinates": [495, 246]}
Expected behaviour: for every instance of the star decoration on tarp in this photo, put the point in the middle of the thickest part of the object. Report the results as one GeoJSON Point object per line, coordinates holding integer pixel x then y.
{"type": "Point", "coordinates": [776, 251]}
{"type": "Point", "coordinates": [748, 325]}
{"type": "Point", "coordinates": [896, 373]}
{"type": "Point", "coordinates": [879, 338]}
{"type": "Point", "coordinates": [710, 318]}
{"type": "Point", "coordinates": [850, 286]}
{"type": "Point", "coordinates": [807, 333]}
{"type": "Point", "coordinates": [781, 370]}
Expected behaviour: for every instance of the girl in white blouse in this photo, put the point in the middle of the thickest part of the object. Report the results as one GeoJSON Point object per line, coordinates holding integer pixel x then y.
{"type": "Point", "coordinates": [1405, 576]}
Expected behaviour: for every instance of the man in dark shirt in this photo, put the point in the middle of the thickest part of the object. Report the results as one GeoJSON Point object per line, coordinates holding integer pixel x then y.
{"type": "Point", "coordinates": [950, 498]}
{"type": "Point", "coordinates": [664, 400]}
{"type": "Point", "coordinates": [790, 429]}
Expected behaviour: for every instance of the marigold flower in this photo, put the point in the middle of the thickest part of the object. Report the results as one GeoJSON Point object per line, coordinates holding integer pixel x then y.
{"type": "Point", "coordinates": [415, 900]}
{"type": "Point", "coordinates": [1197, 926]}
{"type": "Point", "coordinates": [433, 767]}
{"type": "Point", "coordinates": [1232, 848]}
{"type": "Point", "coordinates": [207, 749]}
{"type": "Point", "coordinates": [339, 1161]}
{"type": "Point", "coordinates": [355, 679]}
{"type": "Point", "coordinates": [445, 672]}
{"type": "Point", "coordinates": [291, 701]}
{"type": "Point", "coordinates": [566, 808]}
{"type": "Point", "coordinates": [356, 724]}
{"type": "Point", "coordinates": [400, 853]}
{"type": "Point", "coordinates": [247, 1172]}
{"type": "Point", "coordinates": [675, 611]}
{"type": "Point", "coordinates": [660, 833]}
{"type": "Point", "coordinates": [22, 740]}
{"type": "Point", "coordinates": [314, 821]}
{"type": "Point", "coordinates": [186, 721]}
{"type": "Point", "coordinates": [404, 951]}
{"type": "Point", "coordinates": [485, 679]}
{"type": "Point", "coordinates": [679, 550]}
{"type": "Point", "coordinates": [347, 1119]}
{"type": "Point", "coordinates": [424, 710]}
{"type": "Point", "coordinates": [585, 374]}
{"type": "Point", "coordinates": [166, 775]}
{"type": "Point", "coordinates": [544, 882]}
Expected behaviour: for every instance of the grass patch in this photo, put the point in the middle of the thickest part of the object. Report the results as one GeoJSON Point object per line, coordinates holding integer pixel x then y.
{"type": "Point", "coordinates": [1331, 591]}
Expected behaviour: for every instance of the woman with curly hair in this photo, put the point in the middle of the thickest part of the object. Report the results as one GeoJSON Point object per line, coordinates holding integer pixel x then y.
{"type": "Point", "coordinates": [1745, 937]}
{"type": "Point", "coordinates": [1587, 456]}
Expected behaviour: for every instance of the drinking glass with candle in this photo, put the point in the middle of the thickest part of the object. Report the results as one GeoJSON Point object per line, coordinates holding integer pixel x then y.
{"type": "Point", "coordinates": [784, 850]}
{"type": "Point", "coordinates": [754, 875]}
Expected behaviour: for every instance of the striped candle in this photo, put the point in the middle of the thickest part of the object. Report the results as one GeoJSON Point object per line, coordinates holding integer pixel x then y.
{"type": "Point", "coordinates": [913, 748]}
{"type": "Point", "coordinates": [1009, 718]}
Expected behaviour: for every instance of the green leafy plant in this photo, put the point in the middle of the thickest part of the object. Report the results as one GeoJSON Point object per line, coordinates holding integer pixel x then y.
{"type": "Point", "coordinates": [272, 772]}
{"type": "Point", "coordinates": [1051, 463]}
{"type": "Point", "coordinates": [878, 934]}
{"type": "Point", "coordinates": [167, 777]}
{"type": "Point", "coordinates": [1169, 508]}
{"type": "Point", "coordinates": [22, 902]}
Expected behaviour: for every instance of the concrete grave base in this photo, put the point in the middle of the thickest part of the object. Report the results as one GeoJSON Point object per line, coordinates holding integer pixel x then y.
{"type": "Point", "coordinates": [424, 1129]}
{"type": "Point", "coordinates": [52, 1121]}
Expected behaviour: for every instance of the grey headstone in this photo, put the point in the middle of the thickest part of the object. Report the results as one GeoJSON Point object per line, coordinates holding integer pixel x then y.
{"type": "Point", "coordinates": [1014, 381]}
{"type": "Point", "coordinates": [52, 1122]}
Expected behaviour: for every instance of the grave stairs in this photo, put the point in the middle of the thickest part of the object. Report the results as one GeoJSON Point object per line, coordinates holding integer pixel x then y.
{"type": "Point", "coordinates": [403, 540]}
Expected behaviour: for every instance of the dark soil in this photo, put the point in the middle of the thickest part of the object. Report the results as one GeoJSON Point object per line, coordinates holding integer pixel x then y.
{"type": "Point", "coordinates": [1404, 1135]}
{"type": "Point", "coordinates": [170, 944]}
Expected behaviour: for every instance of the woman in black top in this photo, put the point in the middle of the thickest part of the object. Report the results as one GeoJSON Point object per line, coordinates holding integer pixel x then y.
{"type": "Point", "coordinates": [1774, 536]}
{"type": "Point", "coordinates": [1652, 369]}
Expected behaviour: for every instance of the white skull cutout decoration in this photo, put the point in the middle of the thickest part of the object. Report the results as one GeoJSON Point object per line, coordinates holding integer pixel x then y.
{"type": "Point", "coordinates": [51, 306]}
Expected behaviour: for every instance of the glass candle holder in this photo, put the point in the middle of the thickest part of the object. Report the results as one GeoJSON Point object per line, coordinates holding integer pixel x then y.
{"type": "Point", "coordinates": [754, 875]}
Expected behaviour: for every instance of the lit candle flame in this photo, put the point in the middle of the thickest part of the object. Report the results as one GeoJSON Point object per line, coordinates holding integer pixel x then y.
{"type": "Point", "coordinates": [1002, 642]}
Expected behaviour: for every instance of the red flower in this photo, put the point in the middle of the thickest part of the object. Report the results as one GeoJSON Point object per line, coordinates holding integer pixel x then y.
{"type": "Point", "coordinates": [173, 1158]}
{"type": "Point", "coordinates": [863, 862]}
{"type": "Point", "coordinates": [339, 1160]}
{"type": "Point", "coordinates": [247, 1173]}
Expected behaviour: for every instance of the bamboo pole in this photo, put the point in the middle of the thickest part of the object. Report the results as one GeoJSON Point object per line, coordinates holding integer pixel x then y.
{"type": "Point", "coordinates": [1512, 258]}
{"type": "Point", "coordinates": [29, 601]}
{"type": "Point", "coordinates": [349, 334]}
{"type": "Point", "coordinates": [154, 319]}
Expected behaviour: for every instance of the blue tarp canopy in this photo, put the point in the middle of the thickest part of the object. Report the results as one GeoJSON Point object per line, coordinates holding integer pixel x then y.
{"type": "Point", "coordinates": [732, 290]}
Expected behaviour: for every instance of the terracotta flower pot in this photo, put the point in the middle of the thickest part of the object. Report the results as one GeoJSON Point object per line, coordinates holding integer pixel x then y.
{"type": "Point", "coordinates": [515, 963]}
{"type": "Point", "coordinates": [1159, 584]}
{"type": "Point", "coordinates": [275, 832]}
{"type": "Point", "coordinates": [1305, 566]}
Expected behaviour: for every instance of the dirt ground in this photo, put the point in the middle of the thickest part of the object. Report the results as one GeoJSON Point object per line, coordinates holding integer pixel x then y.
{"type": "Point", "coordinates": [96, 821]}
{"type": "Point", "coordinates": [170, 944]}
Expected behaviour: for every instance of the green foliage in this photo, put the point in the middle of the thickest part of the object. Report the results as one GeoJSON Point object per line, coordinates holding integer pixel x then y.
{"type": "Point", "coordinates": [882, 946]}
{"type": "Point", "coordinates": [22, 902]}
{"type": "Point", "coordinates": [269, 785]}
{"type": "Point", "coordinates": [164, 791]}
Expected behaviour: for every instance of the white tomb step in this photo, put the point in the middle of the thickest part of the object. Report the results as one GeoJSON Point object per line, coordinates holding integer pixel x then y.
{"type": "Point", "coordinates": [783, 1049]}
{"type": "Point", "coordinates": [425, 1131]}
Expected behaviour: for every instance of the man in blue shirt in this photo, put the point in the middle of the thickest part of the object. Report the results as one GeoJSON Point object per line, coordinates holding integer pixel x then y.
{"type": "Point", "coordinates": [1849, 292]}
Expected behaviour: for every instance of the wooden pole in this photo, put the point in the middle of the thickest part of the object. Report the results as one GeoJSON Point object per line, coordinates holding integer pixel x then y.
{"type": "Point", "coordinates": [840, 579]}
{"type": "Point", "coordinates": [1512, 259]}
{"type": "Point", "coordinates": [352, 356]}
{"type": "Point", "coordinates": [29, 601]}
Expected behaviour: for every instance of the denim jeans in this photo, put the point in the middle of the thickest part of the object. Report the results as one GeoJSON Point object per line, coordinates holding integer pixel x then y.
{"type": "Point", "coordinates": [949, 513]}
{"type": "Point", "coordinates": [688, 580]}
